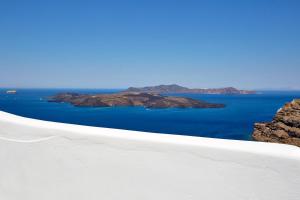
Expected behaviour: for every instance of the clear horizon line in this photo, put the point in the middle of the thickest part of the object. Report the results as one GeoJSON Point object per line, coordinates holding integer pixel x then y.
{"type": "Point", "coordinates": [115, 88]}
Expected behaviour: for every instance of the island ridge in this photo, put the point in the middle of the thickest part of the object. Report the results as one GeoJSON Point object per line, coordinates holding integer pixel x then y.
{"type": "Point", "coordinates": [147, 100]}
{"type": "Point", "coordinates": [174, 88]}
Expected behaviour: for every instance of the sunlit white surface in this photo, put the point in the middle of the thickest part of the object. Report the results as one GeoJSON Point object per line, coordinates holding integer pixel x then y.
{"type": "Point", "coordinates": [42, 160]}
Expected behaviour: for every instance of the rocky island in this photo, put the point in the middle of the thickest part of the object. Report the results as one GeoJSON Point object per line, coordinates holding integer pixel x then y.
{"type": "Point", "coordinates": [173, 88]}
{"type": "Point", "coordinates": [147, 100]}
{"type": "Point", "coordinates": [284, 128]}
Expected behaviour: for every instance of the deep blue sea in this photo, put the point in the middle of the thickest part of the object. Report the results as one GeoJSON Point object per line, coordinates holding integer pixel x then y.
{"type": "Point", "coordinates": [235, 121]}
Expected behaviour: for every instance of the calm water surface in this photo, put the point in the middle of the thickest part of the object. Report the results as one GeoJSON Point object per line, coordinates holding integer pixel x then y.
{"type": "Point", "coordinates": [235, 121]}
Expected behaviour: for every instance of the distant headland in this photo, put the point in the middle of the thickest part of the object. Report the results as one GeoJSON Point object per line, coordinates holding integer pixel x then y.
{"type": "Point", "coordinates": [173, 88]}
{"type": "Point", "coordinates": [147, 100]}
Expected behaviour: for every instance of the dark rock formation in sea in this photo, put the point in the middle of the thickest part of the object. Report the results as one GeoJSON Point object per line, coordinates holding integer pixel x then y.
{"type": "Point", "coordinates": [131, 99]}
{"type": "Point", "coordinates": [162, 89]}
{"type": "Point", "coordinates": [284, 128]}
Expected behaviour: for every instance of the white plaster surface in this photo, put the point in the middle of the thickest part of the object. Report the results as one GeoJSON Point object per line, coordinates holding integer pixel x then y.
{"type": "Point", "coordinates": [42, 160]}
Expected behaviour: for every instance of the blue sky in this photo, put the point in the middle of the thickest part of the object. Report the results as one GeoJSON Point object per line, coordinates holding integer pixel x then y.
{"type": "Point", "coordinates": [250, 44]}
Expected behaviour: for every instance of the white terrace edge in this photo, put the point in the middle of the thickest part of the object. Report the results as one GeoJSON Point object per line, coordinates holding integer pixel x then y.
{"type": "Point", "coordinates": [41, 160]}
{"type": "Point", "coordinates": [64, 129]}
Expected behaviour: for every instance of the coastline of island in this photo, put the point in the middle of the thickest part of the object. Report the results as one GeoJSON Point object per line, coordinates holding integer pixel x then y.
{"type": "Point", "coordinates": [147, 100]}
{"type": "Point", "coordinates": [148, 97]}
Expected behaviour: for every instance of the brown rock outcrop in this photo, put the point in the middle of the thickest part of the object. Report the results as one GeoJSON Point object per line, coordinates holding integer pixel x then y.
{"type": "Point", "coordinates": [284, 128]}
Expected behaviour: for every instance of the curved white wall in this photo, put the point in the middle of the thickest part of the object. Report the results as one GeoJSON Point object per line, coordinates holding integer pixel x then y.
{"type": "Point", "coordinates": [53, 161]}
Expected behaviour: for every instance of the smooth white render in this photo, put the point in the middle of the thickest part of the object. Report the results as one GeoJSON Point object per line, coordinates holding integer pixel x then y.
{"type": "Point", "coordinates": [42, 160]}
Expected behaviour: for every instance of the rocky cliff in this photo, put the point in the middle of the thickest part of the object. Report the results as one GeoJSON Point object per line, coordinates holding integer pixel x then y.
{"type": "Point", "coordinates": [284, 128]}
